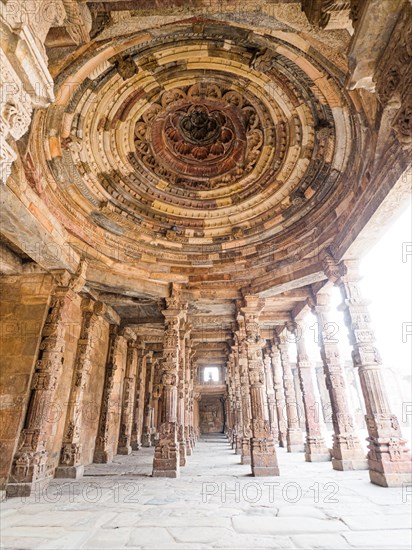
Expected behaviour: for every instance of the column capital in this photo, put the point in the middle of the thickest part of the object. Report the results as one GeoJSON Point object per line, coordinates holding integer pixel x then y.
{"type": "Point", "coordinates": [331, 266]}
{"type": "Point", "coordinates": [129, 334]}
{"type": "Point", "coordinates": [253, 305]}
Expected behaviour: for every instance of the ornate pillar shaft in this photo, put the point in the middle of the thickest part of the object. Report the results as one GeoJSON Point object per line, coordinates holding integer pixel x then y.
{"type": "Point", "coordinates": [193, 424]}
{"type": "Point", "coordinates": [262, 449]}
{"type": "Point", "coordinates": [156, 413]}
{"type": "Point", "coordinates": [232, 401]}
{"type": "Point", "coordinates": [70, 465]}
{"type": "Point", "coordinates": [126, 421]}
{"type": "Point", "coordinates": [389, 459]}
{"type": "Point", "coordinates": [347, 452]}
{"type": "Point", "coordinates": [103, 452]}
{"type": "Point", "coordinates": [187, 404]}
{"type": "Point", "coordinates": [148, 402]}
{"type": "Point", "coordinates": [294, 436]}
{"type": "Point", "coordinates": [30, 460]}
{"type": "Point", "coordinates": [238, 407]}
{"type": "Point", "coordinates": [279, 394]}
{"type": "Point", "coordinates": [136, 438]}
{"type": "Point", "coordinates": [181, 400]}
{"type": "Point", "coordinates": [315, 447]}
{"type": "Point", "coordinates": [229, 403]}
{"type": "Point", "coordinates": [166, 461]}
{"type": "Point", "coordinates": [270, 396]}
{"type": "Point", "coordinates": [246, 406]}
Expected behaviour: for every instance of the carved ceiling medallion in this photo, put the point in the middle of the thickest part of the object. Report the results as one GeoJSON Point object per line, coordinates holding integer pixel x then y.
{"type": "Point", "coordinates": [199, 136]}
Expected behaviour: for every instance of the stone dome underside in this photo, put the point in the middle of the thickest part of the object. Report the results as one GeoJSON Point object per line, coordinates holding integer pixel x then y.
{"type": "Point", "coordinates": [202, 146]}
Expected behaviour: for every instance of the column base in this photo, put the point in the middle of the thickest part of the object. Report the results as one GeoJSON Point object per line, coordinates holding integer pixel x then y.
{"type": "Point", "coordinates": [265, 471]}
{"type": "Point", "coordinates": [390, 479]}
{"type": "Point", "coordinates": [102, 457]}
{"type": "Point", "coordinates": [69, 472]}
{"type": "Point", "coordinates": [182, 454]}
{"type": "Point", "coordinates": [348, 464]}
{"type": "Point", "coordinates": [294, 439]}
{"type": "Point", "coordinates": [166, 473]}
{"type": "Point", "coordinates": [317, 457]}
{"type": "Point", "coordinates": [126, 450]}
{"type": "Point", "coordinates": [166, 461]}
{"type": "Point", "coordinates": [316, 450]}
{"type": "Point", "coordinates": [146, 440]}
{"type": "Point", "coordinates": [390, 473]}
{"type": "Point", "coordinates": [263, 457]}
{"type": "Point", "coordinates": [135, 446]}
{"type": "Point", "coordinates": [245, 451]}
{"type": "Point", "coordinates": [238, 446]}
{"type": "Point", "coordinates": [295, 448]}
{"type": "Point", "coordinates": [25, 489]}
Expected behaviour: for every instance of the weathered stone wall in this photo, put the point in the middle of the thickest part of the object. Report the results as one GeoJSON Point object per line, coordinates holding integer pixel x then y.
{"type": "Point", "coordinates": [94, 390]}
{"type": "Point", "coordinates": [24, 302]}
{"type": "Point", "coordinates": [211, 415]}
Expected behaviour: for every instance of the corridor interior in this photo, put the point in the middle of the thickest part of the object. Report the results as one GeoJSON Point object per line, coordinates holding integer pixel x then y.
{"type": "Point", "coordinates": [214, 504]}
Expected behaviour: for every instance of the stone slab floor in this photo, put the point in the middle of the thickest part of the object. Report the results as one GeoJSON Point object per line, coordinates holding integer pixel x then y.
{"type": "Point", "coordinates": [215, 504]}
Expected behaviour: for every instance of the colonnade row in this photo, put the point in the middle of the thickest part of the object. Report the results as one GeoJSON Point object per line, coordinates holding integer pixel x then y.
{"type": "Point", "coordinates": [261, 407]}
{"type": "Point", "coordinates": [81, 388]}
{"type": "Point", "coordinates": [88, 388]}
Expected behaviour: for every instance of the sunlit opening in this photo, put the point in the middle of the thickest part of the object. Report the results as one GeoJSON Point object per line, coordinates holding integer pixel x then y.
{"type": "Point", "coordinates": [211, 374]}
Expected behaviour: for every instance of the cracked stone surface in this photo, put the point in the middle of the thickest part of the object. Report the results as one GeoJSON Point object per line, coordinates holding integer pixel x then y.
{"type": "Point", "coordinates": [214, 504]}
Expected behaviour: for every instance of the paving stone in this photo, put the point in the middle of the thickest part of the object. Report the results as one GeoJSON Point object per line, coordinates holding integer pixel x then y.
{"type": "Point", "coordinates": [320, 541]}
{"type": "Point", "coordinates": [198, 534]}
{"type": "Point", "coordinates": [110, 538]}
{"type": "Point", "coordinates": [385, 540]}
{"type": "Point", "coordinates": [149, 536]}
{"type": "Point", "coordinates": [248, 524]}
{"type": "Point", "coordinates": [304, 511]}
{"type": "Point", "coordinates": [182, 521]}
{"type": "Point", "coordinates": [363, 522]}
{"type": "Point", "coordinates": [247, 542]}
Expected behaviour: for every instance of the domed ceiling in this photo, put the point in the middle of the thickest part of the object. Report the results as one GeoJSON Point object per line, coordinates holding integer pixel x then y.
{"type": "Point", "coordinates": [203, 153]}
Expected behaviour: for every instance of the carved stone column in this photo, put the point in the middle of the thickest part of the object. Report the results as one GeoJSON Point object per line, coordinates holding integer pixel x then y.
{"type": "Point", "coordinates": [196, 423]}
{"type": "Point", "coordinates": [389, 459]}
{"type": "Point", "coordinates": [238, 405]}
{"type": "Point", "coordinates": [136, 438]}
{"type": "Point", "coordinates": [70, 465]}
{"type": "Point", "coordinates": [166, 461]}
{"type": "Point", "coordinates": [148, 403]}
{"type": "Point", "coordinates": [230, 404]}
{"type": "Point", "coordinates": [125, 434]}
{"type": "Point", "coordinates": [315, 447]}
{"type": "Point", "coordinates": [156, 415]}
{"type": "Point", "coordinates": [103, 452]}
{"type": "Point", "coordinates": [246, 406]}
{"type": "Point", "coordinates": [233, 368]}
{"type": "Point", "coordinates": [262, 450]}
{"type": "Point", "coordinates": [270, 395]}
{"type": "Point", "coordinates": [193, 430]}
{"type": "Point", "coordinates": [294, 436]}
{"type": "Point", "coordinates": [181, 388]}
{"type": "Point", "coordinates": [187, 399]}
{"type": "Point", "coordinates": [30, 460]}
{"type": "Point", "coordinates": [279, 394]}
{"type": "Point", "coordinates": [347, 452]}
